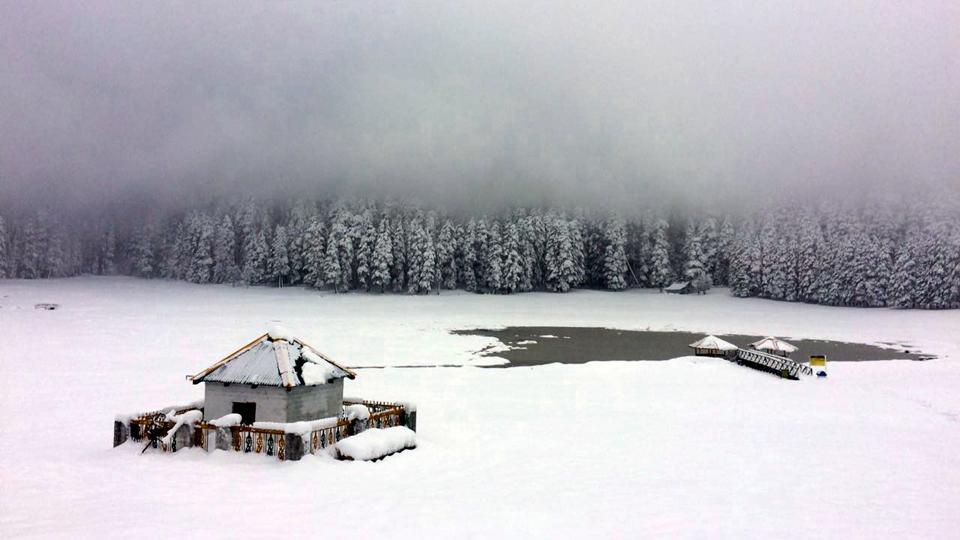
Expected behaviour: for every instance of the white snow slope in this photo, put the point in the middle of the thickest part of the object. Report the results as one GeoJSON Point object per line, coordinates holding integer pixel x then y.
{"type": "Point", "coordinates": [690, 448]}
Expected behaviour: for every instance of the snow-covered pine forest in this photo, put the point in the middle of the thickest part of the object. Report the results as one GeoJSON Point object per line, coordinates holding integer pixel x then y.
{"type": "Point", "coordinates": [874, 254]}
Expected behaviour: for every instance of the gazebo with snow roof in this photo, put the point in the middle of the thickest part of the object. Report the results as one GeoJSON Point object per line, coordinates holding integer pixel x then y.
{"type": "Point", "coordinates": [274, 378]}
{"type": "Point", "coordinates": [775, 346]}
{"type": "Point", "coordinates": [713, 346]}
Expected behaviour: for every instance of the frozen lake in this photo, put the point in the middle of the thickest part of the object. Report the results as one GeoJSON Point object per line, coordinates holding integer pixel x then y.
{"type": "Point", "coordinates": [538, 345]}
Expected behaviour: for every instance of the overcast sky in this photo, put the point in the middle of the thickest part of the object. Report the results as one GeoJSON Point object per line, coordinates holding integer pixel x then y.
{"type": "Point", "coordinates": [477, 100]}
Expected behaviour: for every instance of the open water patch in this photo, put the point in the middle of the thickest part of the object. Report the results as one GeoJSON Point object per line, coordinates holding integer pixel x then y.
{"type": "Point", "coordinates": [539, 345]}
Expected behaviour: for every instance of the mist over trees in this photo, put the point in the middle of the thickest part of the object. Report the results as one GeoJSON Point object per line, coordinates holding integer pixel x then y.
{"type": "Point", "coordinates": [872, 254]}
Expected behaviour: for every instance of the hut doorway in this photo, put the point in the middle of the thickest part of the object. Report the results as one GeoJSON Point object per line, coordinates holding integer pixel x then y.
{"type": "Point", "coordinates": [246, 410]}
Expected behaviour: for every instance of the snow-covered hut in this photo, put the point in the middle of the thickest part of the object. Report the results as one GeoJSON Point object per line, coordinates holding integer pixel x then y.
{"type": "Point", "coordinates": [679, 287]}
{"type": "Point", "coordinates": [274, 378]}
{"type": "Point", "coordinates": [775, 346]}
{"type": "Point", "coordinates": [713, 346]}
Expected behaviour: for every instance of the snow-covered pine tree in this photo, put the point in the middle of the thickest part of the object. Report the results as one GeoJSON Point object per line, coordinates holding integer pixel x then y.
{"type": "Point", "coordinates": [771, 277]}
{"type": "Point", "coordinates": [843, 253]}
{"type": "Point", "coordinates": [382, 256]}
{"type": "Point", "coordinates": [346, 246]}
{"type": "Point", "coordinates": [108, 262]}
{"type": "Point", "coordinates": [513, 266]}
{"type": "Point", "coordinates": [809, 242]}
{"type": "Point", "coordinates": [398, 243]}
{"type": "Point", "coordinates": [428, 265]}
{"type": "Point", "coordinates": [144, 264]}
{"type": "Point", "coordinates": [420, 257]}
{"type": "Point", "coordinates": [279, 262]}
{"type": "Point", "coordinates": [254, 252]}
{"type": "Point", "coordinates": [314, 251]}
{"type": "Point", "coordinates": [468, 276]}
{"type": "Point", "coordinates": [200, 234]}
{"type": "Point", "coordinates": [594, 251]}
{"type": "Point", "coordinates": [257, 260]}
{"type": "Point", "coordinates": [615, 254]}
{"type": "Point", "coordinates": [29, 252]}
{"type": "Point", "coordinates": [725, 237]}
{"type": "Point", "coordinates": [739, 269]}
{"type": "Point", "coordinates": [710, 246]}
{"type": "Point", "coordinates": [169, 263]}
{"type": "Point", "coordinates": [560, 258]}
{"type": "Point", "coordinates": [537, 227]}
{"type": "Point", "coordinates": [871, 270]}
{"type": "Point", "coordinates": [480, 249]}
{"type": "Point", "coordinates": [577, 248]}
{"type": "Point", "coordinates": [492, 259]}
{"type": "Point", "coordinates": [660, 268]}
{"type": "Point", "coordinates": [936, 268]}
{"type": "Point", "coordinates": [825, 283]}
{"type": "Point", "coordinates": [530, 275]}
{"type": "Point", "coordinates": [694, 269]}
{"type": "Point", "coordinates": [446, 247]}
{"type": "Point", "coordinates": [366, 241]}
{"type": "Point", "coordinates": [952, 287]}
{"type": "Point", "coordinates": [225, 269]}
{"type": "Point", "coordinates": [301, 215]}
{"type": "Point", "coordinates": [744, 255]}
{"type": "Point", "coordinates": [54, 263]}
{"type": "Point", "coordinates": [332, 271]}
{"type": "Point", "coordinates": [637, 271]}
{"type": "Point", "coordinates": [4, 251]}
{"type": "Point", "coordinates": [904, 292]}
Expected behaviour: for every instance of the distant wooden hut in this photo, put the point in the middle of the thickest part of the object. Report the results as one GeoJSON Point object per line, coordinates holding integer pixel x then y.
{"type": "Point", "coordinates": [714, 346]}
{"type": "Point", "coordinates": [772, 345]}
{"type": "Point", "coordinates": [679, 287]}
{"type": "Point", "coordinates": [274, 378]}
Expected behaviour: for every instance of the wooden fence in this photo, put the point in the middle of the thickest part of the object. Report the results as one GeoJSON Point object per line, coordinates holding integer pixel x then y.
{"type": "Point", "coordinates": [257, 440]}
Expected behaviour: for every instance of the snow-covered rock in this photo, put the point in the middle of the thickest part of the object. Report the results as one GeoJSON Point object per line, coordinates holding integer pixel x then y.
{"type": "Point", "coordinates": [356, 411]}
{"type": "Point", "coordinates": [376, 443]}
{"type": "Point", "coordinates": [227, 420]}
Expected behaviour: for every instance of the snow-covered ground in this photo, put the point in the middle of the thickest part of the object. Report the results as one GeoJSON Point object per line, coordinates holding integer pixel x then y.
{"type": "Point", "coordinates": [685, 448]}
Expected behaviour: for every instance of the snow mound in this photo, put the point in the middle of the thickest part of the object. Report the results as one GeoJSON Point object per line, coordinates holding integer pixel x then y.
{"type": "Point", "coordinates": [376, 443]}
{"type": "Point", "coordinates": [356, 411]}
{"type": "Point", "coordinates": [314, 374]}
{"type": "Point", "coordinates": [227, 420]}
{"type": "Point", "coordinates": [277, 331]}
{"type": "Point", "coordinates": [316, 370]}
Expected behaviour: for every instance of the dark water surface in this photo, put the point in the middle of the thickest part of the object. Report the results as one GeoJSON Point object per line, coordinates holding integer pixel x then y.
{"type": "Point", "coordinates": [577, 345]}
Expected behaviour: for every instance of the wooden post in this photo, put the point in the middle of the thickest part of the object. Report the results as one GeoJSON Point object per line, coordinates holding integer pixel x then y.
{"type": "Point", "coordinates": [120, 433]}
{"type": "Point", "coordinates": [292, 447]}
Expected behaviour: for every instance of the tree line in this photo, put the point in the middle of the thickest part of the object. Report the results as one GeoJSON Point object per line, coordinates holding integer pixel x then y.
{"type": "Point", "coordinates": [874, 254]}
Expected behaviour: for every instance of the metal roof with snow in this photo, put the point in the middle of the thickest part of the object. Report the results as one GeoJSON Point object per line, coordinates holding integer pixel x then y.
{"type": "Point", "coordinates": [274, 359]}
{"type": "Point", "coordinates": [771, 343]}
{"type": "Point", "coordinates": [713, 343]}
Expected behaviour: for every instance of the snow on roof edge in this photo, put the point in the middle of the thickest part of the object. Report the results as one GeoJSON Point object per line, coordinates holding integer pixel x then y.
{"type": "Point", "coordinates": [287, 350]}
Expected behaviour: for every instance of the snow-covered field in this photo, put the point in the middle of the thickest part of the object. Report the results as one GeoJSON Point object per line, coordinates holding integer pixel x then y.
{"type": "Point", "coordinates": [686, 448]}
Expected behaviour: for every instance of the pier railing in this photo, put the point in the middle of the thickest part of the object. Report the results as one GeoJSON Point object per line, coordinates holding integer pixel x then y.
{"type": "Point", "coordinates": [777, 364]}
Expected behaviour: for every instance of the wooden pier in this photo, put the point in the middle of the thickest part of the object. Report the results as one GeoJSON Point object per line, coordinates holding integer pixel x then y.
{"type": "Point", "coordinates": [779, 365]}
